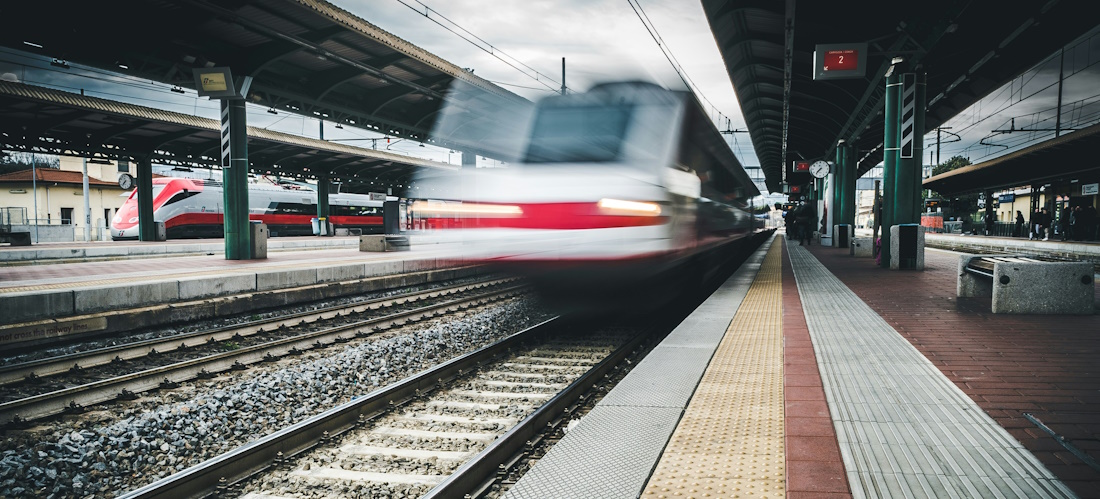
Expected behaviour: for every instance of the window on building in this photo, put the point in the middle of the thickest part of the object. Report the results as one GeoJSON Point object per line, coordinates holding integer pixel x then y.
{"type": "Point", "coordinates": [107, 216]}
{"type": "Point", "coordinates": [123, 166]}
{"type": "Point", "coordinates": [66, 216]}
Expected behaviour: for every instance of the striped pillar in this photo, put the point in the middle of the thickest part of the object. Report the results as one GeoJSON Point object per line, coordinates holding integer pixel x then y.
{"type": "Point", "coordinates": [889, 162]}
{"type": "Point", "coordinates": [238, 236]}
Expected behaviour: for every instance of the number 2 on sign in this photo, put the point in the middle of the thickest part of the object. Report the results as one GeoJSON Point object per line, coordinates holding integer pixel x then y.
{"type": "Point", "coordinates": [841, 61]}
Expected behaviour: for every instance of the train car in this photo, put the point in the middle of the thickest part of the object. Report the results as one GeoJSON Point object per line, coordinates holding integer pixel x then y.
{"type": "Point", "coordinates": [192, 208]}
{"type": "Point", "coordinates": [624, 184]}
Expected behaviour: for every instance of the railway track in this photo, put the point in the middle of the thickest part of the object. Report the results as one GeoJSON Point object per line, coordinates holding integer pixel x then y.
{"type": "Point", "coordinates": [451, 431]}
{"type": "Point", "coordinates": [296, 333]}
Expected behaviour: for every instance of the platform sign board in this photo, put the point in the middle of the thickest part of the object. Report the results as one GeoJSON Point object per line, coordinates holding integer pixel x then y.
{"type": "Point", "coordinates": [377, 196]}
{"type": "Point", "coordinates": [218, 83]}
{"type": "Point", "coordinates": [801, 166]}
{"type": "Point", "coordinates": [1090, 189]}
{"type": "Point", "coordinates": [839, 61]}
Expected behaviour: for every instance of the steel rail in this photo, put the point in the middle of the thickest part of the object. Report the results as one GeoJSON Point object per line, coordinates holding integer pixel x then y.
{"type": "Point", "coordinates": [75, 398]}
{"type": "Point", "coordinates": [243, 462]}
{"type": "Point", "coordinates": [15, 373]}
{"type": "Point", "coordinates": [470, 479]}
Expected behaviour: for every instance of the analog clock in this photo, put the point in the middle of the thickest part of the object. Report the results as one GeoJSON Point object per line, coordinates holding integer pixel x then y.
{"type": "Point", "coordinates": [125, 181]}
{"type": "Point", "coordinates": [819, 169]}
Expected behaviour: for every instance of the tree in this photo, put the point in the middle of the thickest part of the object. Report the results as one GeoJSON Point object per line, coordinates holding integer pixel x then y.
{"type": "Point", "coordinates": [954, 163]}
{"type": "Point", "coordinates": [18, 161]}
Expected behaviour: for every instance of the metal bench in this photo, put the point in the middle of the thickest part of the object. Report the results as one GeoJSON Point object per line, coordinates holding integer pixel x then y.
{"type": "Point", "coordinates": [1024, 285]}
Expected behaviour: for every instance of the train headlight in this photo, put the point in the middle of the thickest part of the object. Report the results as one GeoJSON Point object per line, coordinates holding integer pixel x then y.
{"type": "Point", "coordinates": [629, 208]}
{"type": "Point", "coordinates": [437, 209]}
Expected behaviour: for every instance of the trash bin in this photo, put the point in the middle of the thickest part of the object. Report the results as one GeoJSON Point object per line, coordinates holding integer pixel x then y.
{"type": "Point", "coordinates": [316, 226]}
{"type": "Point", "coordinates": [162, 231]}
{"type": "Point", "coordinates": [259, 239]}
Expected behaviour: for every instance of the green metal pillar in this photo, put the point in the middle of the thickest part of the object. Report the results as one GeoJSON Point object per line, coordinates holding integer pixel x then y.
{"type": "Point", "coordinates": [848, 185]}
{"type": "Point", "coordinates": [836, 203]}
{"type": "Point", "coordinates": [907, 181]}
{"type": "Point", "coordinates": [147, 227]}
{"type": "Point", "coordinates": [322, 202]}
{"type": "Point", "coordinates": [238, 233]}
{"type": "Point", "coordinates": [889, 162]}
{"type": "Point", "coordinates": [469, 159]}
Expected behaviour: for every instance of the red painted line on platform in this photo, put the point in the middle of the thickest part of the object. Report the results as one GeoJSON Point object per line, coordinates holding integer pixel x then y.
{"type": "Point", "coordinates": [814, 465]}
{"type": "Point", "coordinates": [1047, 365]}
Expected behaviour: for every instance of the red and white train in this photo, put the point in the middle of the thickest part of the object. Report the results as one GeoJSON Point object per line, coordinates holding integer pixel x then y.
{"type": "Point", "coordinates": [193, 208]}
{"type": "Point", "coordinates": [624, 184]}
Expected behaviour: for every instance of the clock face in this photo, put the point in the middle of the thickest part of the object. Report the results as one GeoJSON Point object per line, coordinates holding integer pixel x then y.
{"type": "Point", "coordinates": [125, 181]}
{"type": "Point", "coordinates": [819, 169]}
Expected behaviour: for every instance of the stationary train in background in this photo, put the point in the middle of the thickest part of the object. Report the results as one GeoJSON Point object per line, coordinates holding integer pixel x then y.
{"type": "Point", "coordinates": [625, 184]}
{"type": "Point", "coordinates": [193, 208]}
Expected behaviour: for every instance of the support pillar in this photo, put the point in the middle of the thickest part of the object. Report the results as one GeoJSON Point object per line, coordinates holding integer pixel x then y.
{"type": "Point", "coordinates": [322, 203]}
{"type": "Point", "coordinates": [147, 227]}
{"type": "Point", "coordinates": [469, 159]}
{"type": "Point", "coordinates": [889, 162]}
{"type": "Point", "coordinates": [847, 186]}
{"type": "Point", "coordinates": [907, 181]}
{"type": "Point", "coordinates": [238, 235]}
{"type": "Point", "coordinates": [836, 202]}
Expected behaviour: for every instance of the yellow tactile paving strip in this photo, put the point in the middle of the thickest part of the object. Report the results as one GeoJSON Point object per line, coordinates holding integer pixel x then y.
{"type": "Point", "coordinates": [730, 441]}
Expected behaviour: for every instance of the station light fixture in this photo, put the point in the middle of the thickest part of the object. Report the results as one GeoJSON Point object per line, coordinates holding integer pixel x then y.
{"type": "Point", "coordinates": [177, 89]}
{"type": "Point", "coordinates": [272, 111]}
{"type": "Point", "coordinates": [59, 63]}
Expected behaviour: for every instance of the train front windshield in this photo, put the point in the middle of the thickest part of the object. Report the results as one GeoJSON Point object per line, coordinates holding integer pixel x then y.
{"type": "Point", "coordinates": [575, 134]}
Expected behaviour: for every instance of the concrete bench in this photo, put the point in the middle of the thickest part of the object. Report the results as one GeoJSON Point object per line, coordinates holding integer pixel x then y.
{"type": "Point", "coordinates": [1022, 285]}
{"type": "Point", "coordinates": [383, 242]}
{"type": "Point", "coordinates": [862, 247]}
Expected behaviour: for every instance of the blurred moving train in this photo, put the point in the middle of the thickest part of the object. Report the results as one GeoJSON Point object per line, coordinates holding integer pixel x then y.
{"type": "Point", "coordinates": [625, 184]}
{"type": "Point", "coordinates": [193, 208]}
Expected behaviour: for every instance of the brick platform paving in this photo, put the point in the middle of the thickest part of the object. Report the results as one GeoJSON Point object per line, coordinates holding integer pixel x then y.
{"type": "Point", "coordinates": [814, 466]}
{"type": "Point", "coordinates": [1048, 366]}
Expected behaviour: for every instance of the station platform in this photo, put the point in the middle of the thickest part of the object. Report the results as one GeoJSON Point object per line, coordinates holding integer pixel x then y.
{"type": "Point", "coordinates": [42, 301]}
{"type": "Point", "coordinates": [811, 373]}
{"type": "Point", "coordinates": [43, 253]}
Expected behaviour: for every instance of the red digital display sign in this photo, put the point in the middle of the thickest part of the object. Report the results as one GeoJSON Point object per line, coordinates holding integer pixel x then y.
{"type": "Point", "coordinates": [795, 189]}
{"type": "Point", "coordinates": [801, 166]}
{"type": "Point", "coordinates": [841, 60]}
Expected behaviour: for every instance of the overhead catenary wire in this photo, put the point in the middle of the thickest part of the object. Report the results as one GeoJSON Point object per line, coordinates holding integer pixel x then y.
{"type": "Point", "coordinates": [483, 45]}
{"type": "Point", "coordinates": [675, 63]}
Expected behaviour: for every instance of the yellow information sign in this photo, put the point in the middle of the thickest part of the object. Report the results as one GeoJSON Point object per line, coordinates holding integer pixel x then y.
{"type": "Point", "coordinates": [213, 82]}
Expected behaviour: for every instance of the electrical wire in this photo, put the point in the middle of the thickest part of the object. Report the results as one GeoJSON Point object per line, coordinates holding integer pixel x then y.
{"type": "Point", "coordinates": [491, 50]}
{"type": "Point", "coordinates": [675, 63]}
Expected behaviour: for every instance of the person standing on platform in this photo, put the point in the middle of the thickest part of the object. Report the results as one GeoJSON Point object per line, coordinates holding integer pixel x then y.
{"type": "Point", "coordinates": [988, 224]}
{"type": "Point", "coordinates": [1019, 230]}
{"type": "Point", "coordinates": [1089, 222]}
{"type": "Point", "coordinates": [1036, 216]}
{"type": "Point", "coordinates": [806, 221]}
{"type": "Point", "coordinates": [1067, 222]}
{"type": "Point", "coordinates": [1044, 224]}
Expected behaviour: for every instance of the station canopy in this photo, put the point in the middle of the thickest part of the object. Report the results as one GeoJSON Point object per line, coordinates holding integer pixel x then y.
{"type": "Point", "coordinates": [306, 56]}
{"type": "Point", "coordinates": [1055, 159]}
{"type": "Point", "coordinates": [46, 120]}
{"type": "Point", "coordinates": [966, 48]}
